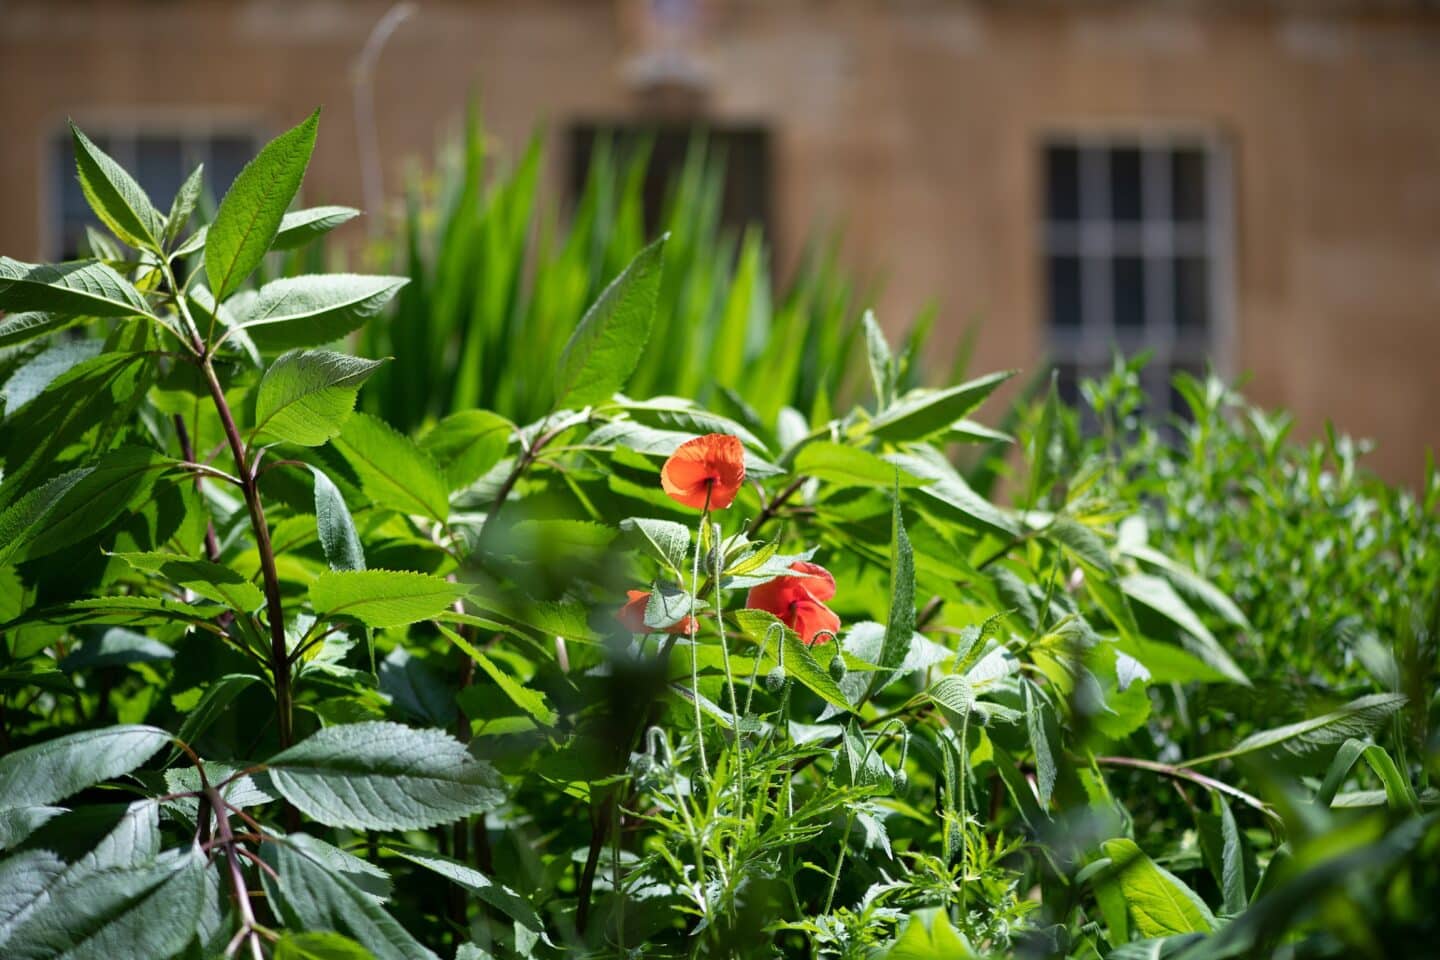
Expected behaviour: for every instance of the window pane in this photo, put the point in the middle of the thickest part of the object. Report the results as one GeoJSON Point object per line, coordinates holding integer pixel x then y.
{"type": "Point", "coordinates": [1125, 184]}
{"type": "Point", "coordinates": [1187, 185]}
{"type": "Point", "coordinates": [1065, 292]}
{"type": "Point", "coordinates": [1192, 293]}
{"type": "Point", "coordinates": [1128, 281]}
{"type": "Point", "coordinates": [1062, 184]}
{"type": "Point", "coordinates": [227, 156]}
{"type": "Point", "coordinates": [159, 168]}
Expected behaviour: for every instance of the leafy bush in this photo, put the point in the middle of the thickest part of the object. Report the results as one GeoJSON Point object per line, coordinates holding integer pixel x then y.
{"type": "Point", "coordinates": [592, 675]}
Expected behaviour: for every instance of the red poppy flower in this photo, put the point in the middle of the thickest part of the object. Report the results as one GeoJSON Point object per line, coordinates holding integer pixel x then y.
{"type": "Point", "coordinates": [706, 469]}
{"type": "Point", "coordinates": [632, 615]}
{"type": "Point", "coordinates": [799, 602]}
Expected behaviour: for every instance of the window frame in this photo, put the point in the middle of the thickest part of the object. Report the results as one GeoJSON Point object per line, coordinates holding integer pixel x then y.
{"type": "Point", "coordinates": [191, 126]}
{"type": "Point", "coordinates": [1097, 240]}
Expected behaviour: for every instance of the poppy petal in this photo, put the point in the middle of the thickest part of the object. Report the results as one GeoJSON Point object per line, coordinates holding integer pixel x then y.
{"type": "Point", "coordinates": [819, 583]}
{"type": "Point", "coordinates": [814, 622]}
{"type": "Point", "coordinates": [709, 468]}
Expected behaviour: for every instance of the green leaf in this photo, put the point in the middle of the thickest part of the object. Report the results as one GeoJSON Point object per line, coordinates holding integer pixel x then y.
{"type": "Point", "coordinates": [900, 630]}
{"type": "Point", "coordinates": [1356, 719]}
{"type": "Point", "coordinates": [23, 327]}
{"type": "Point", "coordinates": [309, 895]}
{"type": "Point", "coordinates": [183, 205]}
{"type": "Point", "coordinates": [954, 694]}
{"type": "Point", "coordinates": [250, 213]}
{"type": "Point", "coordinates": [119, 202]}
{"type": "Point", "coordinates": [882, 364]}
{"type": "Point", "coordinates": [1159, 596]}
{"type": "Point", "coordinates": [665, 540]}
{"type": "Point", "coordinates": [210, 580]}
{"type": "Point", "coordinates": [845, 466]}
{"type": "Point", "coordinates": [800, 663]}
{"type": "Point", "coordinates": [924, 412]}
{"type": "Point", "coordinates": [1083, 544]}
{"type": "Point", "coordinates": [307, 395]}
{"type": "Point", "coordinates": [319, 946]}
{"type": "Point", "coordinates": [929, 935]}
{"type": "Point", "coordinates": [16, 824]}
{"type": "Point", "coordinates": [468, 443]}
{"type": "Point", "coordinates": [312, 310]}
{"type": "Point", "coordinates": [302, 226]}
{"type": "Point", "coordinates": [79, 288]}
{"type": "Point", "coordinates": [134, 910]}
{"type": "Point", "coordinates": [607, 346]}
{"type": "Point", "coordinates": [1160, 904]}
{"type": "Point", "coordinates": [498, 895]}
{"type": "Point", "coordinates": [382, 598]}
{"type": "Point", "coordinates": [55, 769]}
{"type": "Point", "coordinates": [530, 701]}
{"type": "Point", "coordinates": [213, 702]}
{"type": "Point", "coordinates": [394, 472]}
{"type": "Point", "coordinates": [384, 776]}
{"type": "Point", "coordinates": [1035, 725]}
{"type": "Point", "coordinates": [336, 528]}
{"type": "Point", "coordinates": [135, 611]}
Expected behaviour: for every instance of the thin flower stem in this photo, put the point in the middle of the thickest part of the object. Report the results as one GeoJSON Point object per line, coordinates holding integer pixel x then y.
{"type": "Point", "coordinates": [729, 679]}
{"type": "Point", "coordinates": [694, 646]}
{"type": "Point", "coordinates": [1182, 773]}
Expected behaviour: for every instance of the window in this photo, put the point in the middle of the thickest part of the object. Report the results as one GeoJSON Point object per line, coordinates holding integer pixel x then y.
{"type": "Point", "coordinates": [744, 151]}
{"type": "Point", "coordinates": [159, 161]}
{"type": "Point", "coordinates": [1135, 256]}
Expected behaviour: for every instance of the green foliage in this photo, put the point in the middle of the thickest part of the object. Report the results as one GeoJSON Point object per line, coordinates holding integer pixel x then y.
{"type": "Point", "coordinates": [464, 680]}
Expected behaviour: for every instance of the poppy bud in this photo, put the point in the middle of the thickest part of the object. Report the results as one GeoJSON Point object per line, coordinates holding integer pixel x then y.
{"type": "Point", "coordinates": [775, 679]}
{"type": "Point", "coordinates": [838, 668]}
{"type": "Point", "coordinates": [900, 779]}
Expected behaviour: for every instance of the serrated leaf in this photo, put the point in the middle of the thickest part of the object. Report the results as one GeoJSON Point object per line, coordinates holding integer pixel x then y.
{"type": "Point", "coordinates": [900, 629]}
{"type": "Point", "coordinates": [312, 310]}
{"type": "Point", "coordinates": [79, 288]}
{"type": "Point", "coordinates": [299, 227]}
{"type": "Point", "coordinates": [845, 466]}
{"type": "Point", "coordinates": [183, 205]}
{"type": "Point", "coordinates": [209, 580]}
{"type": "Point", "coordinates": [468, 443]}
{"type": "Point", "coordinates": [882, 364]}
{"type": "Point", "coordinates": [22, 327]}
{"type": "Point", "coordinates": [145, 910]}
{"type": "Point", "coordinates": [119, 202]}
{"type": "Point", "coordinates": [954, 694]}
{"type": "Point", "coordinates": [382, 598]}
{"type": "Point", "coordinates": [394, 472]}
{"type": "Point", "coordinates": [15, 825]}
{"type": "Point", "coordinates": [800, 663]}
{"type": "Point", "coordinates": [55, 769]}
{"type": "Point", "coordinates": [1035, 725]}
{"type": "Point", "coordinates": [1082, 543]}
{"type": "Point", "coordinates": [319, 946]}
{"type": "Point", "coordinates": [77, 504]}
{"type": "Point", "coordinates": [1160, 597]}
{"type": "Point", "coordinates": [1159, 903]}
{"type": "Point", "coordinates": [213, 702]}
{"type": "Point", "coordinates": [334, 525]}
{"type": "Point", "coordinates": [1356, 719]}
{"type": "Point", "coordinates": [384, 776]}
{"type": "Point", "coordinates": [924, 412]}
{"type": "Point", "coordinates": [249, 215]}
{"type": "Point", "coordinates": [135, 611]}
{"type": "Point", "coordinates": [498, 895]}
{"type": "Point", "coordinates": [607, 345]}
{"type": "Point", "coordinates": [665, 540]}
{"type": "Point", "coordinates": [530, 701]}
{"type": "Point", "coordinates": [310, 896]}
{"type": "Point", "coordinates": [306, 396]}
{"type": "Point", "coordinates": [115, 647]}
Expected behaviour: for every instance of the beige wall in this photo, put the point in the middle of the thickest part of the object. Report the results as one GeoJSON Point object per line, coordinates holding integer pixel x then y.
{"type": "Point", "coordinates": [914, 123]}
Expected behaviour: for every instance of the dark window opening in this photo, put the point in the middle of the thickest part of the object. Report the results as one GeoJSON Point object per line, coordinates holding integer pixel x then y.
{"type": "Point", "coordinates": [744, 152]}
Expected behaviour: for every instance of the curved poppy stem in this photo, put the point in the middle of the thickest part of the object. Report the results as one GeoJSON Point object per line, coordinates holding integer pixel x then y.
{"type": "Point", "coordinates": [694, 647]}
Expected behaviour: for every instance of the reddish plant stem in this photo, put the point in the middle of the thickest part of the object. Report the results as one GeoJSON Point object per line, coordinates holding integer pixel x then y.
{"type": "Point", "coordinates": [187, 449]}
{"type": "Point", "coordinates": [1181, 773]}
{"type": "Point", "coordinates": [237, 876]}
{"type": "Point", "coordinates": [774, 506]}
{"type": "Point", "coordinates": [274, 612]}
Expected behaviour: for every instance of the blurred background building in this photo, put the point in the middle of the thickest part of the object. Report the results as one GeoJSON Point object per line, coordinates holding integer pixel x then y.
{"type": "Point", "coordinates": [1250, 183]}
